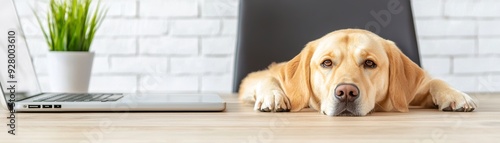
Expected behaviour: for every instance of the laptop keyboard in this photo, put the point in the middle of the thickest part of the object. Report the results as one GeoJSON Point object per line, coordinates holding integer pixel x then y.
{"type": "Point", "coordinates": [81, 97]}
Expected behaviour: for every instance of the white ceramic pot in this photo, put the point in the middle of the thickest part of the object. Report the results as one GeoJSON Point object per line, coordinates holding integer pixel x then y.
{"type": "Point", "coordinates": [69, 71]}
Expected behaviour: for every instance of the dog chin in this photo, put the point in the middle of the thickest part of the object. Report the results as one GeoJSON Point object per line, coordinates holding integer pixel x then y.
{"type": "Point", "coordinates": [345, 112]}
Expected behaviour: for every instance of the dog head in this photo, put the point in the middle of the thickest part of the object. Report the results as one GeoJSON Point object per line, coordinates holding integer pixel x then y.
{"type": "Point", "coordinates": [352, 72]}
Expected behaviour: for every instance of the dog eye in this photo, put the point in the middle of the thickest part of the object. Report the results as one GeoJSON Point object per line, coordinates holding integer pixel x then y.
{"type": "Point", "coordinates": [370, 64]}
{"type": "Point", "coordinates": [326, 63]}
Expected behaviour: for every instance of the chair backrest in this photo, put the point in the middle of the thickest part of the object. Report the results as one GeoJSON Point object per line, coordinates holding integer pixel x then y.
{"type": "Point", "coordinates": [276, 30]}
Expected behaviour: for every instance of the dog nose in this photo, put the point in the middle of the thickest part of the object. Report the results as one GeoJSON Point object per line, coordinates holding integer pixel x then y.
{"type": "Point", "coordinates": [346, 92]}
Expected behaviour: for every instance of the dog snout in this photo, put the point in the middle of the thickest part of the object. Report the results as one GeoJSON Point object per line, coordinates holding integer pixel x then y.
{"type": "Point", "coordinates": [346, 92]}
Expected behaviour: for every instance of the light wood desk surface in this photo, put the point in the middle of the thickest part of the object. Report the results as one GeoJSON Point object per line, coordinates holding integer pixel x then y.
{"type": "Point", "coordinates": [239, 123]}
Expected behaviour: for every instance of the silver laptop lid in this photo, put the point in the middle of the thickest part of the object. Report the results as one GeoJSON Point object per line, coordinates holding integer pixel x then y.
{"type": "Point", "coordinates": [17, 74]}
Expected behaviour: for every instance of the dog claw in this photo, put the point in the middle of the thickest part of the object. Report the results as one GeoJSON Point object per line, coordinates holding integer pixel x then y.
{"type": "Point", "coordinates": [470, 109]}
{"type": "Point", "coordinates": [448, 109]}
{"type": "Point", "coordinates": [461, 109]}
{"type": "Point", "coordinates": [265, 110]}
{"type": "Point", "coordinates": [280, 110]}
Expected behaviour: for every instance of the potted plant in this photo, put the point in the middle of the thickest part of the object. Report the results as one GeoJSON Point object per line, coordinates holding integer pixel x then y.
{"type": "Point", "coordinates": [71, 27]}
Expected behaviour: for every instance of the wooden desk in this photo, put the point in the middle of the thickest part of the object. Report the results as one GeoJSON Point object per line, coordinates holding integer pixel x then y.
{"type": "Point", "coordinates": [239, 123]}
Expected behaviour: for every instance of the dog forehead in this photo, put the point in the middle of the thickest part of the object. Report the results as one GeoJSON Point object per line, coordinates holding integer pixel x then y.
{"type": "Point", "coordinates": [343, 42]}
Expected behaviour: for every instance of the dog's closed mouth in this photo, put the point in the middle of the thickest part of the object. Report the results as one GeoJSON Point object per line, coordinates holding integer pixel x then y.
{"type": "Point", "coordinates": [347, 113]}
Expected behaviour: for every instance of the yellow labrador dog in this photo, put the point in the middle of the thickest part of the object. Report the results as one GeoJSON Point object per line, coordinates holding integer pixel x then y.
{"type": "Point", "coordinates": [350, 72]}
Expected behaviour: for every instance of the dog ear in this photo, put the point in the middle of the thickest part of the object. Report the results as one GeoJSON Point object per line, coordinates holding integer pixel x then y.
{"type": "Point", "coordinates": [404, 78]}
{"type": "Point", "coordinates": [294, 78]}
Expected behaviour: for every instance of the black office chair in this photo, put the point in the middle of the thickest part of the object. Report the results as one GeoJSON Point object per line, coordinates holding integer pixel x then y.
{"type": "Point", "coordinates": [276, 30]}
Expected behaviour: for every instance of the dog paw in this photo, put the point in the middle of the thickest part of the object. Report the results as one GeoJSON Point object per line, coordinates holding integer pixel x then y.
{"type": "Point", "coordinates": [274, 100]}
{"type": "Point", "coordinates": [456, 101]}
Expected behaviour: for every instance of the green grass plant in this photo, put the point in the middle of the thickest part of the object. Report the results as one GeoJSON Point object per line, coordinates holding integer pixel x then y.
{"type": "Point", "coordinates": [71, 26]}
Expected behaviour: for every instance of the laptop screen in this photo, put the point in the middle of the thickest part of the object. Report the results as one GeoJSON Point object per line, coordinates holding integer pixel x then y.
{"type": "Point", "coordinates": [17, 76]}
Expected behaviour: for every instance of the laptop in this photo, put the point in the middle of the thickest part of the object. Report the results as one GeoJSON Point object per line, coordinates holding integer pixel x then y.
{"type": "Point", "coordinates": [21, 91]}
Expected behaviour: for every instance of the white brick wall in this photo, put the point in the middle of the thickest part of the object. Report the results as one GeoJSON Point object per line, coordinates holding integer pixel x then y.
{"type": "Point", "coordinates": [489, 46]}
{"type": "Point", "coordinates": [445, 27]}
{"type": "Point", "coordinates": [196, 27]}
{"type": "Point", "coordinates": [218, 46]}
{"type": "Point", "coordinates": [216, 83]}
{"type": "Point", "coordinates": [121, 8]}
{"type": "Point", "coordinates": [169, 46]}
{"type": "Point", "coordinates": [427, 8]}
{"type": "Point", "coordinates": [219, 8]}
{"type": "Point", "coordinates": [168, 8]}
{"type": "Point", "coordinates": [188, 45]}
{"type": "Point", "coordinates": [437, 66]}
{"type": "Point", "coordinates": [133, 27]}
{"type": "Point", "coordinates": [472, 8]}
{"type": "Point", "coordinates": [139, 65]}
{"type": "Point", "coordinates": [448, 47]}
{"type": "Point", "coordinates": [169, 83]}
{"type": "Point", "coordinates": [488, 28]}
{"type": "Point", "coordinates": [115, 46]}
{"type": "Point", "coordinates": [193, 65]}
{"type": "Point", "coordinates": [477, 65]}
{"type": "Point", "coordinates": [229, 27]}
{"type": "Point", "coordinates": [459, 42]}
